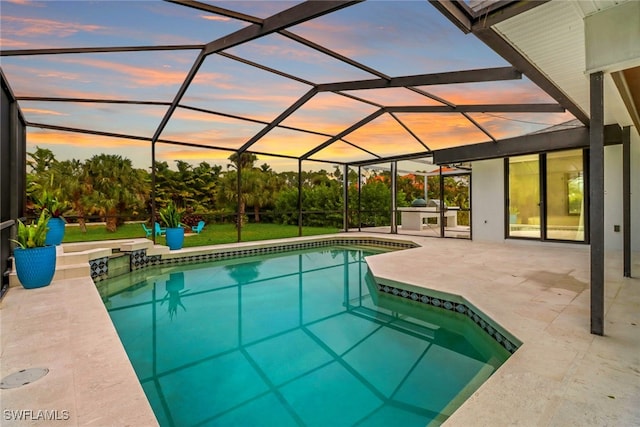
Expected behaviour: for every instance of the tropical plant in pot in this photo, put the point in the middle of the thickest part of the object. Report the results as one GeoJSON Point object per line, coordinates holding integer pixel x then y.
{"type": "Point", "coordinates": [35, 261]}
{"type": "Point", "coordinates": [49, 202]}
{"type": "Point", "coordinates": [171, 216]}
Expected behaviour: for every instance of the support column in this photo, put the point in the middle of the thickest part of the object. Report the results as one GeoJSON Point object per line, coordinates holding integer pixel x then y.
{"type": "Point", "coordinates": [153, 190]}
{"type": "Point", "coordinates": [299, 197]}
{"type": "Point", "coordinates": [345, 197]}
{"type": "Point", "coordinates": [359, 198]}
{"type": "Point", "coordinates": [394, 190]}
{"type": "Point", "coordinates": [441, 218]}
{"type": "Point", "coordinates": [626, 200]}
{"type": "Point", "coordinates": [239, 193]}
{"type": "Point", "coordinates": [596, 196]}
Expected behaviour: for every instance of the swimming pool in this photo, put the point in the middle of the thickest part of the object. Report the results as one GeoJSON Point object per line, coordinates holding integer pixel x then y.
{"type": "Point", "coordinates": [297, 338]}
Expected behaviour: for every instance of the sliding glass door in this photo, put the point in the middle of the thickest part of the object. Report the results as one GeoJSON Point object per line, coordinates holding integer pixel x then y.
{"type": "Point", "coordinates": [524, 197]}
{"type": "Point", "coordinates": [546, 196]}
{"type": "Point", "coordinates": [565, 195]}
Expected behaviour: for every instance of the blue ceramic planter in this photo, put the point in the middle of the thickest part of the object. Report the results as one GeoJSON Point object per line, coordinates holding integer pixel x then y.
{"type": "Point", "coordinates": [175, 238]}
{"type": "Point", "coordinates": [36, 266]}
{"type": "Point", "coordinates": [55, 234]}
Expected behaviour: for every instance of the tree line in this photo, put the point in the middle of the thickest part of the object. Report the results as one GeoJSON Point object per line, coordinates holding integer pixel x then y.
{"type": "Point", "coordinates": [107, 188]}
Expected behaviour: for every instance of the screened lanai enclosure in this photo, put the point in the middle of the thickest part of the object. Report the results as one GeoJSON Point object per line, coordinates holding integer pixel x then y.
{"type": "Point", "coordinates": [366, 92]}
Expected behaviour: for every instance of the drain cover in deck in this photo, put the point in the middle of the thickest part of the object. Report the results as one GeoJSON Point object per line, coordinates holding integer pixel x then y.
{"type": "Point", "coordinates": [23, 377]}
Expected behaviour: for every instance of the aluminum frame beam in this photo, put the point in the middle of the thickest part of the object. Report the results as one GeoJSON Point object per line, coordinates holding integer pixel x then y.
{"type": "Point", "coordinates": [286, 113]}
{"type": "Point", "coordinates": [344, 133]}
{"type": "Point", "coordinates": [450, 77]}
{"type": "Point", "coordinates": [478, 108]}
{"type": "Point", "coordinates": [71, 50]}
{"type": "Point", "coordinates": [295, 15]}
{"type": "Point", "coordinates": [527, 144]}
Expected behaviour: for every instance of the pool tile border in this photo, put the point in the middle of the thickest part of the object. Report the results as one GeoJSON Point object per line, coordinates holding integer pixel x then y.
{"type": "Point", "coordinates": [475, 315]}
{"type": "Point", "coordinates": [140, 259]}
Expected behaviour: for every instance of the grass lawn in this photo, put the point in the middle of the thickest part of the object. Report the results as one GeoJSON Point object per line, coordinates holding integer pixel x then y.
{"type": "Point", "coordinates": [213, 234]}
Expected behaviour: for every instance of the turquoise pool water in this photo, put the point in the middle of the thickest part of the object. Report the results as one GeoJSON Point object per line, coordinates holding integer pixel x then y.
{"type": "Point", "coordinates": [293, 339]}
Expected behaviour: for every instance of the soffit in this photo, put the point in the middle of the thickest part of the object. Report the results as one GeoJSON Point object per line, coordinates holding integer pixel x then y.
{"type": "Point", "coordinates": [551, 36]}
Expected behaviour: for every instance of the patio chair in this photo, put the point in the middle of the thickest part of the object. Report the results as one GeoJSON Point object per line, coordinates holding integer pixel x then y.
{"type": "Point", "coordinates": [147, 230]}
{"type": "Point", "coordinates": [198, 228]}
{"type": "Point", "coordinates": [160, 231]}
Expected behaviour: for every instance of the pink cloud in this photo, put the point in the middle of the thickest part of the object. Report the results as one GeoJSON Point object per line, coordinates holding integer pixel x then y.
{"type": "Point", "coordinates": [133, 74]}
{"type": "Point", "coordinates": [38, 27]}
{"type": "Point", "coordinates": [11, 43]}
{"type": "Point", "coordinates": [215, 18]}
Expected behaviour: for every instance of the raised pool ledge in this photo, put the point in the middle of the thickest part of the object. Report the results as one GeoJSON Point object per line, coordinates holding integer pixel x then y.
{"type": "Point", "coordinates": [453, 303]}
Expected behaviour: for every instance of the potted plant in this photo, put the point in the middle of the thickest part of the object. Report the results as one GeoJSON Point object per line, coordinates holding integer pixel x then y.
{"type": "Point", "coordinates": [171, 216]}
{"type": "Point", "coordinates": [35, 262]}
{"type": "Point", "coordinates": [49, 202]}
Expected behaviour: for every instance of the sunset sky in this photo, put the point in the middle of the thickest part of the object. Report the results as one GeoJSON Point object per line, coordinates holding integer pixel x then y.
{"type": "Point", "coordinates": [398, 38]}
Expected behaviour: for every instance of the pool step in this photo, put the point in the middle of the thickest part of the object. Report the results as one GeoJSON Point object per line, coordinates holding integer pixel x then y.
{"type": "Point", "coordinates": [68, 265]}
{"type": "Point", "coordinates": [74, 262]}
{"type": "Point", "coordinates": [64, 271]}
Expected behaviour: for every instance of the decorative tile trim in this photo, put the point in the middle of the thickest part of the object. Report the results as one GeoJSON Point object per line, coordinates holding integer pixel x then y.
{"type": "Point", "coordinates": [99, 268]}
{"type": "Point", "coordinates": [139, 258]}
{"type": "Point", "coordinates": [240, 253]}
{"type": "Point", "coordinates": [477, 317]}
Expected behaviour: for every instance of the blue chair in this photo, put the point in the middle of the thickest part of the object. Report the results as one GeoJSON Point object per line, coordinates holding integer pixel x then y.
{"type": "Point", "coordinates": [160, 231]}
{"type": "Point", "coordinates": [198, 228]}
{"type": "Point", "coordinates": [147, 230]}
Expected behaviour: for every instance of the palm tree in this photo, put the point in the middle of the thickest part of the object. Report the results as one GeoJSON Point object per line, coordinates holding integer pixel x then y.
{"type": "Point", "coordinates": [245, 161]}
{"type": "Point", "coordinates": [115, 188]}
{"type": "Point", "coordinates": [74, 189]}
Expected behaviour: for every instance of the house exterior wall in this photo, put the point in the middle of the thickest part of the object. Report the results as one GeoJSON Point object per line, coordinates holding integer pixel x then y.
{"type": "Point", "coordinates": [488, 195]}
{"type": "Point", "coordinates": [487, 198]}
{"type": "Point", "coordinates": [613, 197]}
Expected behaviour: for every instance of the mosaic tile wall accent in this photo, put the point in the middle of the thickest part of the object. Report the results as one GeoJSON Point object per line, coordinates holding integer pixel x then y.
{"type": "Point", "coordinates": [139, 259]}
{"type": "Point", "coordinates": [477, 317]}
{"type": "Point", "coordinates": [99, 268]}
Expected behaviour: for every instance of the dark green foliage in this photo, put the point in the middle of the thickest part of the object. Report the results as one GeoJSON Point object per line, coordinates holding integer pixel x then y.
{"type": "Point", "coordinates": [107, 188]}
{"type": "Point", "coordinates": [191, 220]}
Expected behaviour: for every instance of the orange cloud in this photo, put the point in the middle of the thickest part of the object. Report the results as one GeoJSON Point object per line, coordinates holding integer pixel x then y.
{"type": "Point", "coordinates": [286, 142]}
{"type": "Point", "coordinates": [42, 111]}
{"type": "Point", "coordinates": [95, 142]}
